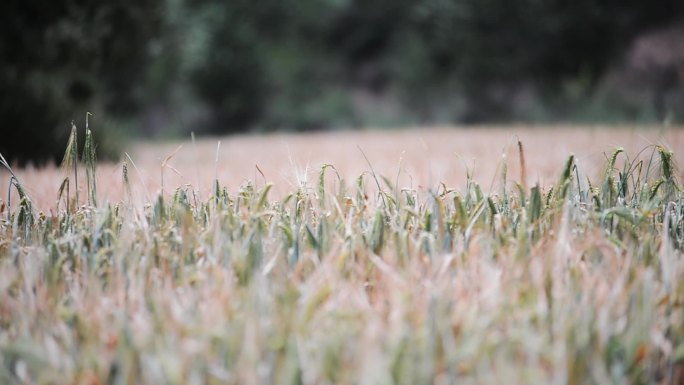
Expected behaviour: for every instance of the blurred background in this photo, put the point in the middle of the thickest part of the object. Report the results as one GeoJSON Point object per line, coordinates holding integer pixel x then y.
{"type": "Point", "coordinates": [165, 68]}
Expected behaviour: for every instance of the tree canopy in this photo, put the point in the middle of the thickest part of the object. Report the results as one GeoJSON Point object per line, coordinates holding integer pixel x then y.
{"type": "Point", "coordinates": [239, 65]}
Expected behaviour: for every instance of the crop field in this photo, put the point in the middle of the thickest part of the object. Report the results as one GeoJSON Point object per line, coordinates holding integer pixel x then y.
{"type": "Point", "coordinates": [497, 255]}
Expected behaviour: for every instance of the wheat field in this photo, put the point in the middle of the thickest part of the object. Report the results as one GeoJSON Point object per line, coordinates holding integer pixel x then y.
{"type": "Point", "coordinates": [522, 255]}
{"type": "Point", "coordinates": [421, 157]}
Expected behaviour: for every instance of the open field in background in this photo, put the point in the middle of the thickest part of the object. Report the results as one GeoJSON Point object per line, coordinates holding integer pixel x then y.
{"type": "Point", "coordinates": [425, 158]}
{"type": "Point", "coordinates": [482, 280]}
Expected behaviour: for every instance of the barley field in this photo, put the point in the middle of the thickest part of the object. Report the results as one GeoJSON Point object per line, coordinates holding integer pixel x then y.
{"type": "Point", "coordinates": [516, 255]}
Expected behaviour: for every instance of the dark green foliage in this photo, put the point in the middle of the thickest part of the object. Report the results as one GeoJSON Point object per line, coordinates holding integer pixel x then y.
{"type": "Point", "coordinates": [295, 64]}
{"type": "Point", "coordinates": [228, 66]}
{"type": "Point", "coordinates": [230, 77]}
{"type": "Point", "coordinates": [59, 59]}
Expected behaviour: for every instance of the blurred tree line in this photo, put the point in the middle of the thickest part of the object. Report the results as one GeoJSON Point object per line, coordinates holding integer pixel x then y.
{"type": "Point", "coordinates": [59, 59]}
{"type": "Point", "coordinates": [170, 66]}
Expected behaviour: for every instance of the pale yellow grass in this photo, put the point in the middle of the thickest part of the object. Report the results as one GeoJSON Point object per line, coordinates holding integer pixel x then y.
{"type": "Point", "coordinates": [423, 157]}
